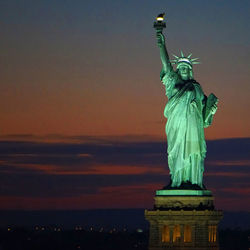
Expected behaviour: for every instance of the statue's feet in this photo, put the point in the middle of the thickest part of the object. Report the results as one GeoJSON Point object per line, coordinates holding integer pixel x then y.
{"type": "Point", "coordinates": [186, 186]}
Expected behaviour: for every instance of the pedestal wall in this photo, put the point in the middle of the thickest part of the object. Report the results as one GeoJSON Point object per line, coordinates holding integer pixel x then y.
{"type": "Point", "coordinates": [183, 222]}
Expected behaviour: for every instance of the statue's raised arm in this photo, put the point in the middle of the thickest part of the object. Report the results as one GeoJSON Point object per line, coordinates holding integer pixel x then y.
{"type": "Point", "coordinates": [168, 75]}
{"type": "Point", "coordinates": [166, 65]}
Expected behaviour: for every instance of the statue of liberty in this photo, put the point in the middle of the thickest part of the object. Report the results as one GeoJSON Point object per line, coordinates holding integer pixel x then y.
{"type": "Point", "coordinates": [188, 112]}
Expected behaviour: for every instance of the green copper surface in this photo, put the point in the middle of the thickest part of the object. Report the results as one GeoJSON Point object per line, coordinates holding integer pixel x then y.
{"type": "Point", "coordinates": [183, 192]}
{"type": "Point", "coordinates": [188, 112]}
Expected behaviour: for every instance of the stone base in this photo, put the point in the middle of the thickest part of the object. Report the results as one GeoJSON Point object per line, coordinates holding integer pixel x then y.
{"type": "Point", "coordinates": [183, 192]}
{"type": "Point", "coordinates": [184, 202]}
{"type": "Point", "coordinates": [183, 221]}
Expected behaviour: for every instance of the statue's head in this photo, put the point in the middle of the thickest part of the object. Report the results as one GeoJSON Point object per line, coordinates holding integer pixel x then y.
{"type": "Point", "coordinates": [184, 66]}
{"type": "Point", "coordinates": [185, 71]}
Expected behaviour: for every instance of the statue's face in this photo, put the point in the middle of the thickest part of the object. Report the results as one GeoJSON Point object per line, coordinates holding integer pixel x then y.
{"type": "Point", "coordinates": [184, 72]}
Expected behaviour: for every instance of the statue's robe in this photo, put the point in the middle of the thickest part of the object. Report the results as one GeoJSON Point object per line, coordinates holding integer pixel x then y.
{"type": "Point", "coordinates": [185, 128]}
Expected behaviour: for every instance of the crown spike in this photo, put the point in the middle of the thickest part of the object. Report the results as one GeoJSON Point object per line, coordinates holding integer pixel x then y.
{"type": "Point", "coordinates": [194, 59]}
{"type": "Point", "coordinates": [182, 55]}
{"type": "Point", "coordinates": [176, 56]}
{"type": "Point", "coordinates": [189, 56]}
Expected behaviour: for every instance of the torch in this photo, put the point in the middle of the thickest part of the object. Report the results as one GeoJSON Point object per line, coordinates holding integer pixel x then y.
{"type": "Point", "coordinates": [159, 25]}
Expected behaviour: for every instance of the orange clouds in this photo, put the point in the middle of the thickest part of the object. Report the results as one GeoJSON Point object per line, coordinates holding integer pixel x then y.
{"type": "Point", "coordinates": [97, 170]}
{"type": "Point", "coordinates": [227, 174]}
{"type": "Point", "coordinates": [230, 163]}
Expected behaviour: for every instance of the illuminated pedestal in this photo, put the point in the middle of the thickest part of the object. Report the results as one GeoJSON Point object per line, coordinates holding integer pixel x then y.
{"type": "Point", "coordinates": [183, 221]}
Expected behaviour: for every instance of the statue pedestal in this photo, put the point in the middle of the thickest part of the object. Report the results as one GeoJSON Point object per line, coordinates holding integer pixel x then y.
{"type": "Point", "coordinates": [183, 219]}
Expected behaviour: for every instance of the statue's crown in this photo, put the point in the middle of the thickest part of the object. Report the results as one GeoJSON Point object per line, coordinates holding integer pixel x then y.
{"type": "Point", "coordinates": [182, 59]}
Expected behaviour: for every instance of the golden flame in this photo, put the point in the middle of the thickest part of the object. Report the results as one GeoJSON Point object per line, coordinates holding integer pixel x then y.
{"type": "Point", "coordinates": [159, 18]}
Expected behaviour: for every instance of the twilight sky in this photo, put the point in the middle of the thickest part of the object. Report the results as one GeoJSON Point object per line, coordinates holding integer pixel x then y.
{"type": "Point", "coordinates": [82, 105]}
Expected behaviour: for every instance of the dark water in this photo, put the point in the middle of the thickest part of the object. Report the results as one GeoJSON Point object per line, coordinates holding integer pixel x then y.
{"type": "Point", "coordinates": [22, 239]}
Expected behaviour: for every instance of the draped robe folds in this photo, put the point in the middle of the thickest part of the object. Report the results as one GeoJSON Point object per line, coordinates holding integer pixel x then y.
{"type": "Point", "coordinates": [184, 129]}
